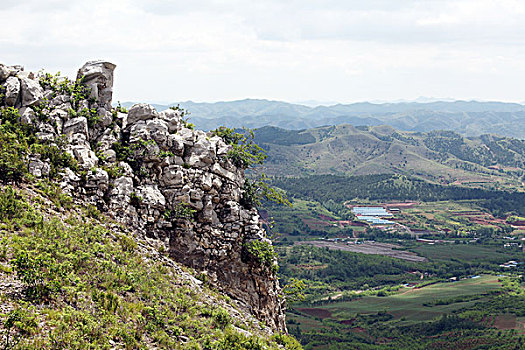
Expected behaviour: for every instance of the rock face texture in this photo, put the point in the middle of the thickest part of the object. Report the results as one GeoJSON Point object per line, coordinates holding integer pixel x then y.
{"type": "Point", "coordinates": [150, 171]}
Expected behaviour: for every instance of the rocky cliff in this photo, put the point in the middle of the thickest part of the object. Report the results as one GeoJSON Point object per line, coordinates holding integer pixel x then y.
{"type": "Point", "coordinates": [172, 185]}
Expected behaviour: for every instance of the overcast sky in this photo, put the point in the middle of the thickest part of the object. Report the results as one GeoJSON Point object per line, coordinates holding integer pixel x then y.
{"type": "Point", "coordinates": [333, 50]}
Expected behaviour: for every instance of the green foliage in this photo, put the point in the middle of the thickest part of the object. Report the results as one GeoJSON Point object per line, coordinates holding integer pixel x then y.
{"type": "Point", "coordinates": [15, 140]}
{"type": "Point", "coordinates": [293, 290]}
{"type": "Point", "coordinates": [11, 204]}
{"type": "Point", "coordinates": [184, 118]}
{"type": "Point", "coordinates": [91, 114]}
{"type": "Point", "coordinates": [53, 192]}
{"type": "Point", "coordinates": [2, 95]}
{"type": "Point", "coordinates": [263, 253]}
{"type": "Point", "coordinates": [123, 152]}
{"type": "Point", "coordinates": [18, 142]}
{"type": "Point", "coordinates": [18, 323]}
{"type": "Point", "coordinates": [287, 341]}
{"type": "Point", "coordinates": [180, 211]}
{"type": "Point", "coordinates": [254, 191]}
{"type": "Point", "coordinates": [245, 153]}
{"type": "Point", "coordinates": [59, 85]}
{"type": "Point", "coordinates": [39, 273]}
{"type": "Point", "coordinates": [114, 171]}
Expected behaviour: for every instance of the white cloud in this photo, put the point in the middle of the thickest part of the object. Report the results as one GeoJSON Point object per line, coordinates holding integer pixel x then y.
{"type": "Point", "coordinates": [291, 50]}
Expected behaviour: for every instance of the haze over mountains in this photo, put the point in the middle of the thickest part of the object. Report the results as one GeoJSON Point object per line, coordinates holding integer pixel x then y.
{"type": "Point", "coordinates": [468, 118]}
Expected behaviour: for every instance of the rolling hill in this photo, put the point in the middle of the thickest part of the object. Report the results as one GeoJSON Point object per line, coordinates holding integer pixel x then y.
{"type": "Point", "coordinates": [439, 156]}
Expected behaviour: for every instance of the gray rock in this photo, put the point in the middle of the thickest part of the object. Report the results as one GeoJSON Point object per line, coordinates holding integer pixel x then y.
{"type": "Point", "coordinates": [27, 116]}
{"type": "Point", "coordinates": [12, 90]}
{"type": "Point", "coordinates": [152, 197]}
{"type": "Point", "coordinates": [106, 118]}
{"type": "Point", "coordinates": [106, 140]}
{"type": "Point", "coordinates": [175, 144]}
{"type": "Point", "coordinates": [172, 176]}
{"type": "Point", "coordinates": [141, 111]}
{"type": "Point", "coordinates": [85, 157]}
{"type": "Point", "coordinates": [139, 131]}
{"type": "Point", "coordinates": [77, 125]}
{"type": "Point", "coordinates": [97, 178]}
{"type": "Point", "coordinates": [111, 155]}
{"type": "Point", "coordinates": [122, 187]}
{"type": "Point", "coordinates": [38, 168]}
{"type": "Point", "coordinates": [60, 113]}
{"type": "Point", "coordinates": [32, 92]}
{"type": "Point", "coordinates": [158, 130]}
{"type": "Point", "coordinates": [173, 118]}
{"type": "Point", "coordinates": [98, 75]}
{"type": "Point", "coordinates": [4, 73]}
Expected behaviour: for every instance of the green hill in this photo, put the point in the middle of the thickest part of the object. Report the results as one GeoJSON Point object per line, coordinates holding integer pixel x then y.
{"type": "Point", "coordinates": [438, 156]}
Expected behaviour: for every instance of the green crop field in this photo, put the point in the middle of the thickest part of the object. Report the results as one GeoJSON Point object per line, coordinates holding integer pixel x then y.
{"type": "Point", "coordinates": [469, 252]}
{"type": "Point", "coordinates": [408, 304]}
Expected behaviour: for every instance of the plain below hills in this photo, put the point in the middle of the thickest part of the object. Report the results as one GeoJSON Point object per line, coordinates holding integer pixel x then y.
{"type": "Point", "coordinates": [468, 118]}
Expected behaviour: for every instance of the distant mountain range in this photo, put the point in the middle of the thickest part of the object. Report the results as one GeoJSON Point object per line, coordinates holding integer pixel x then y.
{"type": "Point", "coordinates": [468, 118]}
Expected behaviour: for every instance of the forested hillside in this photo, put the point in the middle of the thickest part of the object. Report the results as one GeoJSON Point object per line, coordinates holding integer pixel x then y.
{"type": "Point", "coordinates": [439, 156]}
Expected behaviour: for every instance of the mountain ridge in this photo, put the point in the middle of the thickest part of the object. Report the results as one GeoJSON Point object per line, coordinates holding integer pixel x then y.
{"type": "Point", "coordinates": [469, 118]}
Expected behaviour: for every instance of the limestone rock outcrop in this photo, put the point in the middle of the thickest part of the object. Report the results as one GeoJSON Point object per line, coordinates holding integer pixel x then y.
{"type": "Point", "coordinates": [148, 169]}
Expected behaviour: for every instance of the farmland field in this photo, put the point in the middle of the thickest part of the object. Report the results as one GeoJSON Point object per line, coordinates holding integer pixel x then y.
{"type": "Point", "coordinates": [409, 303]}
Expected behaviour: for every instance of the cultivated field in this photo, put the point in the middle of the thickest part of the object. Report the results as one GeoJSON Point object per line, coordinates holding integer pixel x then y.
{"type": "Point", "coordinates": [384, 249]}
{"type": "Point", "coordinates": [408, 305]}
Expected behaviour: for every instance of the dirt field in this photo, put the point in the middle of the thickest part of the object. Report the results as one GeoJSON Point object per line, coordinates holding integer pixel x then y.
{"type": "Point", "coordinates": [384, 249]}
{"type": "Point", "coordinates": [505, 322]}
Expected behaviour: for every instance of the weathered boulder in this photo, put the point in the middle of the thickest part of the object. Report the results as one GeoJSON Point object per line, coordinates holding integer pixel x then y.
{"type": "Point", "coordinates": [85, 157]}
{"type": "Point", "coordinates": [32, 92]}
{"type": "Point", "coordinates": [38, 168]}
{"type": "Point", "coordinates": [172, 176]}
{"type": "Point", "coordinates": [152, 197]}
{"type": "Point", "coordinates": [173, 118]}
{"type": "Point", "coordinates": [12, 90]}
{"type": "Point", "coordinates": [139, 131]}
{"type": "Point", "coordinates": [77, 125]}
{"type": "Point", "coordinates": [141, 111]}
{"type": "Point", "coordinates": [158, 130]}
{"type": "Point", "coordinates": [97, 179]}
{"type": "Point", "coordinates": [4, 73]}
{"type": "Point", "coordinates": [27, 116]}
{"type": "Point", "coordinates": [98, 75]}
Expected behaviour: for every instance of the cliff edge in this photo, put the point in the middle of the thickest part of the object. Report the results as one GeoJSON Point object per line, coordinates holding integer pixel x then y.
{"type": "Point", "coordinates": [174, 187]}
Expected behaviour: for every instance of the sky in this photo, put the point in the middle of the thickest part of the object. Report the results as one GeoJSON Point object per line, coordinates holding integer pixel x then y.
{"type": "Point", "coordinates": [297, 50]}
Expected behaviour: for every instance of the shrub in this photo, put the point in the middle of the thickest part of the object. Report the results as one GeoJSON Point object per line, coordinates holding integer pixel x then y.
{"type": "Point", "coordinates": [245, 153]}
{"type": "Point", "coordinates": [263, 253]}
{"type": "Point", "coordinates": [18, 323]}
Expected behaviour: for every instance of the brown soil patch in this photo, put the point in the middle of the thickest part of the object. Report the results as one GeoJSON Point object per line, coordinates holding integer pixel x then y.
{"type": "Point", "coordinates": [347, 322]}
{"type": "Point", "coordinates": [505, 322]}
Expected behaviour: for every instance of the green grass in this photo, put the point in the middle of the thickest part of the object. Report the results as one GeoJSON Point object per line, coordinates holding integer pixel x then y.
{"type": "Point", "coordinates": [468, 252]}
{"type": "Point", "coordinates": [409, 302]}
{"type": "Point", "coordinates": [88, 287]}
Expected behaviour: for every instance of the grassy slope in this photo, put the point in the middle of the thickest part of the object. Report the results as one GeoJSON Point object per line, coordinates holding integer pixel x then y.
{"type": "Point", "coordinates": [70, 278]}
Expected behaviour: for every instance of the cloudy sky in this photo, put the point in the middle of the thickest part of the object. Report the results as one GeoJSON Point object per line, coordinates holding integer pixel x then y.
{"type": "Point", "coordinates": [295, 50]}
